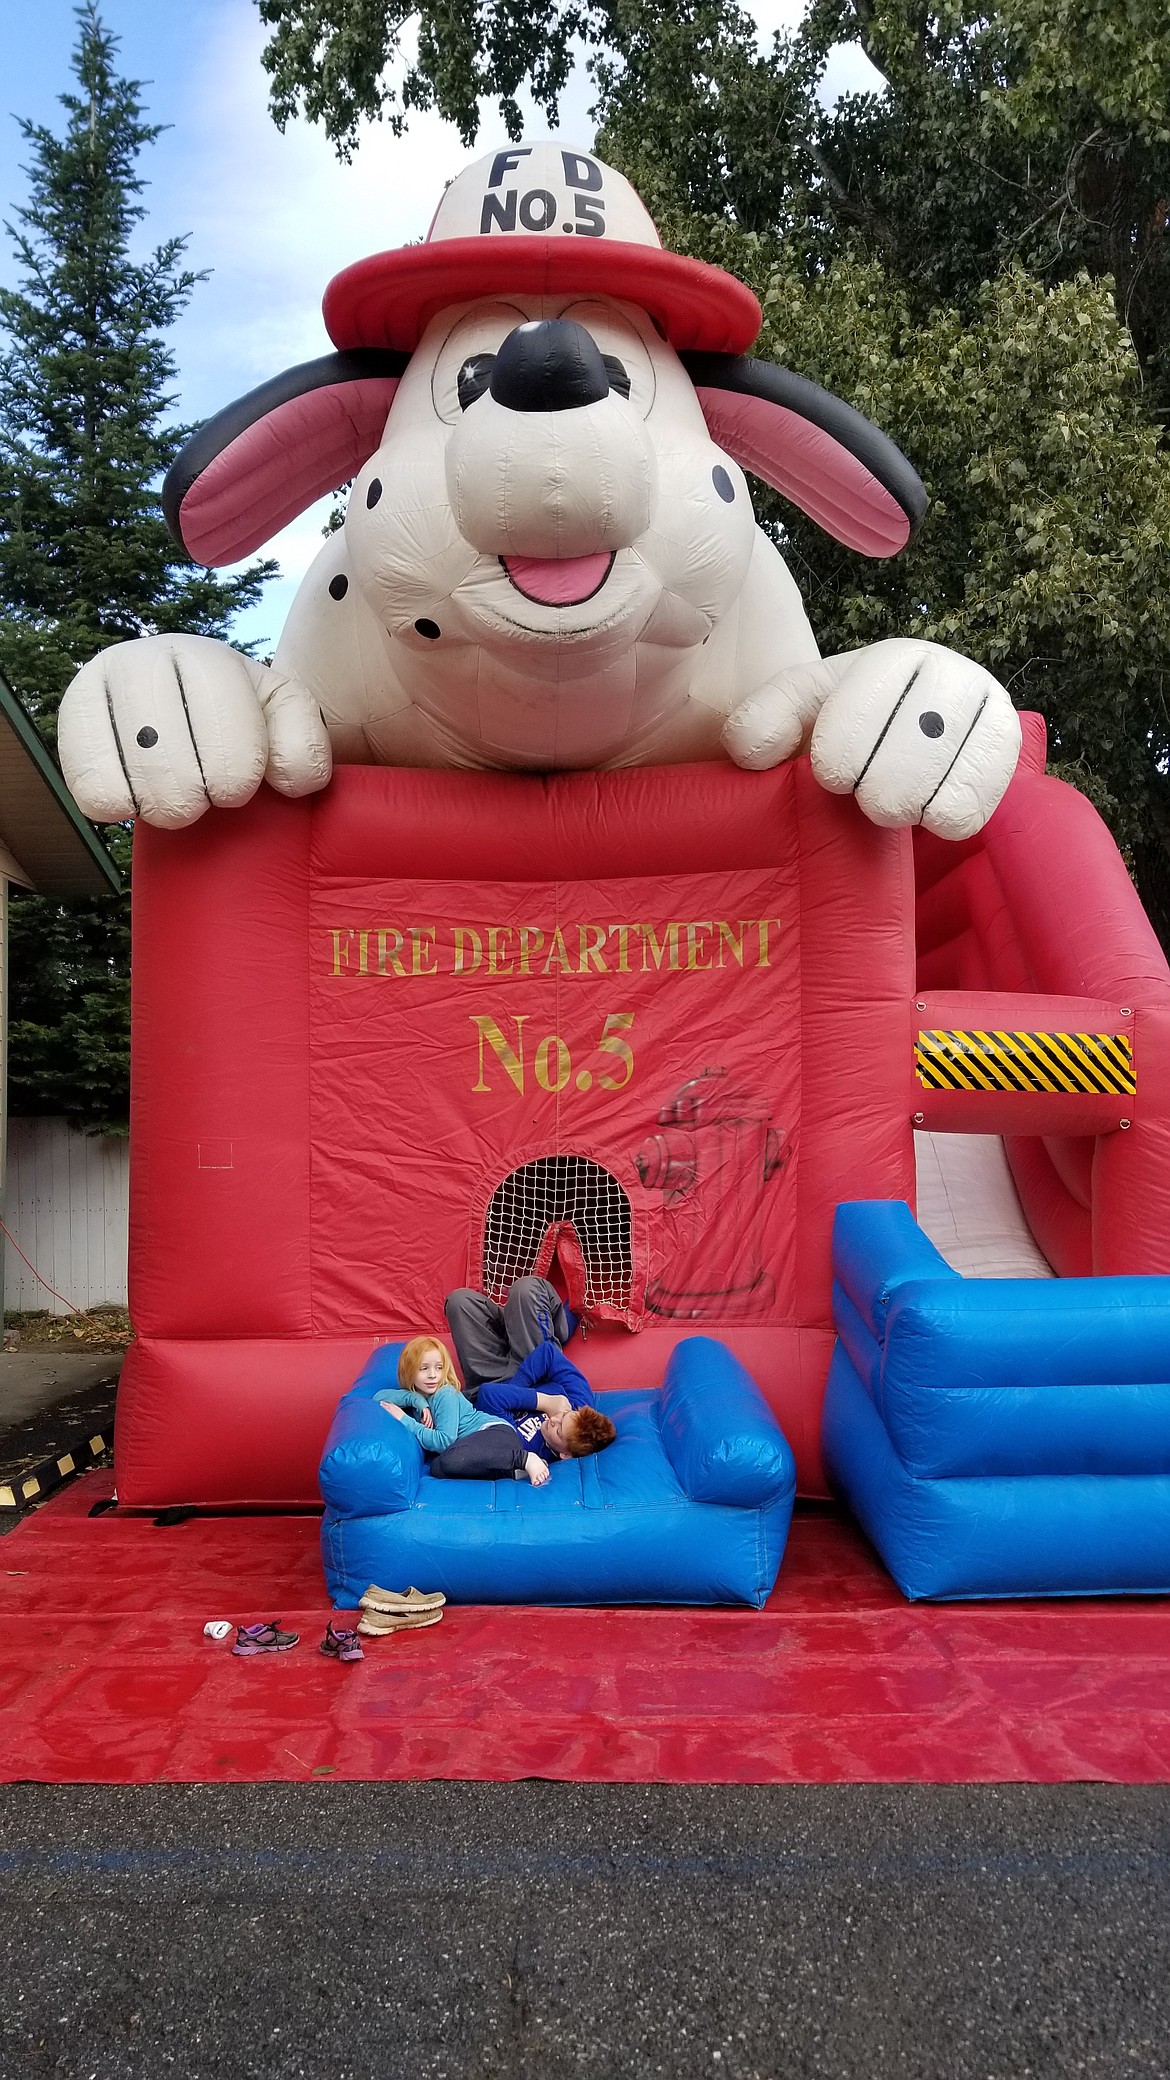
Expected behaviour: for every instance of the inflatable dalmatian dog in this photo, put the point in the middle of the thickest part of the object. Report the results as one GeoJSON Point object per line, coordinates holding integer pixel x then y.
{"type": "Point", "coordinates": [549, 558]}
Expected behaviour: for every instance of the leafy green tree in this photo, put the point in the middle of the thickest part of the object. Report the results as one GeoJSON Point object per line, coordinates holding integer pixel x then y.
{"type": "Point", "coordinates": [334, 59]}
{"type": "Point", "coordinates": [1043, 552]}
{"type": "Point", "coordinates": [85, 558]}
{"type": "Point", "coordinates": [1033, 132]}
{"type": "Point", "coordinates": [1037, 131]}
{"type": "Point", "coordinates": [69, 1027]}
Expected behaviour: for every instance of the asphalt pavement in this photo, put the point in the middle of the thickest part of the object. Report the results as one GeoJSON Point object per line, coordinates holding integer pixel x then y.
{"type": "Point", "coordinates": [51, 1404]}
{"type": "Point", "coordinates": [34, 1382]}
{"type": "Point", "coordinates": [351, 1932]}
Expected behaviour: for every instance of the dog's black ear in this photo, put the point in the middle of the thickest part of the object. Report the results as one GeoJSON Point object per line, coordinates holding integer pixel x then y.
{"type": "Point", "coordinates": [249, 471]}
{"type": "Point", "coordinates": [829, 460]}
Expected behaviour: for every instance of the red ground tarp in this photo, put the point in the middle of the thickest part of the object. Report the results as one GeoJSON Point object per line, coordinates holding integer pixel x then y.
{"type": "Point", "coordinates": [105, 1676]}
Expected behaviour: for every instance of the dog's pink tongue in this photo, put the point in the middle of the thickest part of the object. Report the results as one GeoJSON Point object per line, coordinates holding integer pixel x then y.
{"type": "Point", "coordinates": [558, 581]}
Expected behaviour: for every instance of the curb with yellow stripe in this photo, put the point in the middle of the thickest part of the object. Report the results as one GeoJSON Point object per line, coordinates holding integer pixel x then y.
{"type": "Point", "coordinates": [22, 1491]}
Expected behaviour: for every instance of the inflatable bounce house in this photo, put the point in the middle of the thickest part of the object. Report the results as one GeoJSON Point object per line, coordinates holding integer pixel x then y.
{"type": "Point", "coordinates": [589, 923]}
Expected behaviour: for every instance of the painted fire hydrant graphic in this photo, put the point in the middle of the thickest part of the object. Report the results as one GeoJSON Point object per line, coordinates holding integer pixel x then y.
{"type": "Point", "coordinates": [713, 1157]}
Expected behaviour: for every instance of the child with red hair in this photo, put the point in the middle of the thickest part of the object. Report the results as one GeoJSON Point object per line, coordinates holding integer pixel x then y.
{"type": "Point", "coordinates": [520, 1426]}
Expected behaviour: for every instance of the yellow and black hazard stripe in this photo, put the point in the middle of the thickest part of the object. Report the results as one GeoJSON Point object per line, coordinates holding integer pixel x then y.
{"type": "Point", "coordinates": [1097, 1062]}
{"type": "Point", "coordinates": [24, 1488]}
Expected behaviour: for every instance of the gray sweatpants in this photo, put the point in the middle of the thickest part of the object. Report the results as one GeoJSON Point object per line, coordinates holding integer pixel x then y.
{"type": "Point", "coordinates": [490, 1340]}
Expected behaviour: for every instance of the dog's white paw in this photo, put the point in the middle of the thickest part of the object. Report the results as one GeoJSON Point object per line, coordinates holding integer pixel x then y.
{"type": "Point", "coordinates": [168, 726]}
{"type": "Point", "coordinates": [918, 734]}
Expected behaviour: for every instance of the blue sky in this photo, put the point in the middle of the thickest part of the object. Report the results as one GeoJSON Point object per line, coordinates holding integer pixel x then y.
{"type": "Point", "coordinates": [272, 217]}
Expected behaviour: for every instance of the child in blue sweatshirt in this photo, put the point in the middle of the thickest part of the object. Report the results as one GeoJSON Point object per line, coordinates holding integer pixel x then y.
{"type": "Point", "coordinates": [543, 1413]}
{"type": "Point", "coordinates": [548, 1407]}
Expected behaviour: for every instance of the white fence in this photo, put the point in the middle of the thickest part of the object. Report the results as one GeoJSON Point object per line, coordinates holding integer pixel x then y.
{"type": "Point", "coordinates": [65, 1200]}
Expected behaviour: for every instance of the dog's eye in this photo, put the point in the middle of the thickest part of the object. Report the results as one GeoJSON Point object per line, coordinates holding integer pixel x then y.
{"type": "Point", "coordinates": [473, 378]}
{"type": "Point", "coordinates": [616, 371]}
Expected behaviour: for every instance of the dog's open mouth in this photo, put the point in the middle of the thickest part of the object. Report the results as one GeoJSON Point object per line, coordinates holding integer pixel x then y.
{"type": "Point", "coordinates": [559, 581]}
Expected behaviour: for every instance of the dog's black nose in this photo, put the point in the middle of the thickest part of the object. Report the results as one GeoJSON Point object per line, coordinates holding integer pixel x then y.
{"type": "Point", "coordinates": [549, 365]}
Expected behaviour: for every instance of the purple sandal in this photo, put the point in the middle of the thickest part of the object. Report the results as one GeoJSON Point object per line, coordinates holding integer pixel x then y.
{"type": "Point", "coordinates": [263, 1639]}
{"type": "Point", "coordinates": [340, 1644]}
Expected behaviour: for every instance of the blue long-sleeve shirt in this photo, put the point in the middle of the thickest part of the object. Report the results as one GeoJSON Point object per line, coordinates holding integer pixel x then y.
{"type": "Point", "coordinates": [546, 1370]}
{"type": "Point", "coordinates": [451, 1415]}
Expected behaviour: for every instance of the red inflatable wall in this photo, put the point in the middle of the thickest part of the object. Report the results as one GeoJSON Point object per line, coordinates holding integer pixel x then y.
{"type": "Point", "coordinates": [429, 1029]}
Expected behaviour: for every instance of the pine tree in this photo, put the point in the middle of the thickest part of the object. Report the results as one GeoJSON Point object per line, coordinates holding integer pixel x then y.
{"type": "Point", "coordinates": [85, 558]}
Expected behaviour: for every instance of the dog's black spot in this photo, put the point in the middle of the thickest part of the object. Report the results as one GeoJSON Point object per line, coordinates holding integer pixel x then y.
{"type": "Point", "coordinates": [931, 724]}
{"type": "Point", "coordinates": [338, 586]}
{"type": "Point", "coordinates": [147, 737]}
{"type": "Point", "coordinates": [429, 629]}
{"type": "Point", "coordinates": [723, 483]}
{"type": "Point", "coordinates": [375, 491]}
